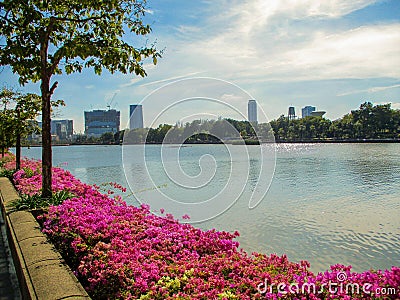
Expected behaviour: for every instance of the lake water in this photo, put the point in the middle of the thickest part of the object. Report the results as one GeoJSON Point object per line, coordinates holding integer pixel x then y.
{"type": "Point", "coordinates": [327, 203]}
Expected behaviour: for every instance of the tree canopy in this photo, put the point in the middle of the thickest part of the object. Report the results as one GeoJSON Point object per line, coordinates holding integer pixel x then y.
{"type": "Point", "coordinates": [368, 122]}
{"type": "Point", "coordinates": [52, 37]}
{"type": "Point", "coordinates": [17, 119]}
{"type": "Point", "coordinates": [44, 38]}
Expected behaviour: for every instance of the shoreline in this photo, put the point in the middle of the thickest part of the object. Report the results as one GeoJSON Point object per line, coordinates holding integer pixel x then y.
{"type": "Point", "coordinates": [348, 141]}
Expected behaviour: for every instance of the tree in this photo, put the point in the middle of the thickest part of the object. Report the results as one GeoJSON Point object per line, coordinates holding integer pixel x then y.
{"type": "Point", "coordinates": [119, 136]}
{"type": "Point", "coordinates": [107, 138]}
{"type": "Point", "coordinates": [27, 108]}
{"type": "Point", "coordinates": [6, 135]}
{"type": "Point", "coordinates": [45, 38]}
{"type": "Point", "coordinates": [18, 118]}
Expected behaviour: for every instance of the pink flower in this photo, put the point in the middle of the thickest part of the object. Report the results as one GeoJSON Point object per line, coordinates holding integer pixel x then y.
{"type": "Point", "coordinates": [125, 252]}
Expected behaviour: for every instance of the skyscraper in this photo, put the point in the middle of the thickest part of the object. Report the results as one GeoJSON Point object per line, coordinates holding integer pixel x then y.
{"type": "Point", "coordinates": [98, 122]}
{"type": "Point", "coordinates": [135, 116]}
{"type": "Point", "coordinates": [252, 111]}
{"type": "Point", "coordinates": [307, 110]}
{"type": "Point", "coordinates": [62, 128]}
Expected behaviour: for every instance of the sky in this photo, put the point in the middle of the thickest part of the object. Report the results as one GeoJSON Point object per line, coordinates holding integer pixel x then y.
{"type": "Point", "coordinates": [332, 54]}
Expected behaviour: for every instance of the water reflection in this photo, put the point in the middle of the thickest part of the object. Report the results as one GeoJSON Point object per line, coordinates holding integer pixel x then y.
{"type": "Point", "coordinates": [328, 203]}
{"type": "Point", "coordinates": [371, 168]}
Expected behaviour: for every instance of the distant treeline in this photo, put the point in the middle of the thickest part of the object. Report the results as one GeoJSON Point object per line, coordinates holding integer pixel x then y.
{"type": "Point", "coordinates": [369, 122]}
{"type": "Point", "coordinates": [201, 131]}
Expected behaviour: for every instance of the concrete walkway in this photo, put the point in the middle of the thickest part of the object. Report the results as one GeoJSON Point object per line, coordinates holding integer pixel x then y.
{"type": "Point", "coordinates": [8, 280]}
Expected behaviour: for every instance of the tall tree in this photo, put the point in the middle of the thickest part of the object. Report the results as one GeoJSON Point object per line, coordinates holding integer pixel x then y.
{"type": "Point", "coordinates": [18, 118]}
{"type": "Point", "coordinates": [6, 123]}
{"type": "Point", "coordinates": [27, 108]}
{"type": "Point", "coordinates": [48, 37]}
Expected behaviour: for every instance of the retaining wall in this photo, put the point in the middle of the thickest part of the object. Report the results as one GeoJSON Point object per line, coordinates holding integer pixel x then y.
{"type": "Point", "coordinates": [42, 272]}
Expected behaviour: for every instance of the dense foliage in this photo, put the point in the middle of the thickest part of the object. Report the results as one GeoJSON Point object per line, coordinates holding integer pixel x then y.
{"type": "Point", "coordinates": [368, 122]}
{"type": "Point", "coordinates": [46, 38]}
{"type": "Point", "coordinates": [17, 119]}
{"type": "Point", "coordinates": [123, 252]}
{"type": "Point", "coordinates": [200, 131]}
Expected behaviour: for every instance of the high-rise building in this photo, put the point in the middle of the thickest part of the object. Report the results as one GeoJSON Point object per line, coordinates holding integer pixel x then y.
{"type": "Point", "coordinates": [135, 116]}
{"type": "Point", "coordinates": [252, 111]}
{"type": "Point", "coordinates": [98, 122]}
{"type": "Point", "coordinates": [64, 129]}
{"type": "Point", "coordinates": [291, 113]}
{"type": "Point", "coordinates": [307, 110]}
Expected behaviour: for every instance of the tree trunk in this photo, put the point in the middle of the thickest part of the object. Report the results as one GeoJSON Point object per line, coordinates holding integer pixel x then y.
{"type": "Point", "coordinates": [2, 144]}
{"type": "Point", "coordinates": [18, 145]}
{"type": "Point", "coordinates": [46, 139]}
{"type": "Point", "coordinates": [18, 152]}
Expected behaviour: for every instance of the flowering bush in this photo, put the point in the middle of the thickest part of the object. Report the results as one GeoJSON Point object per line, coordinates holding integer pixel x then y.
{"type": "Point", "coordinates": [119, 251]}
{"type": "Point", "coordinates": [28, 180]}
{"type": "Point", "coordinates": [7, 165]}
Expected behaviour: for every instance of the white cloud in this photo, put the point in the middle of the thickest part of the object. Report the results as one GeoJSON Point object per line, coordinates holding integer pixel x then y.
{"type": "Point", "coordinates": [184, 29]}
{"type": "Point", "coordinates": [396, 105]}
{"type": "Point", "coordinates": [382, 88]}
{"type": "Point", "coordinates": [370, 90]}
{"type": "Point", "coordinates": [170, 79]}
{"type": "Point", "coordinates": [257, 40]}
{"type": "Point", "coordinates": [254, 43]}
{"type": "Point", "coordinates": [245, 17]}
{"type": "Point", "coordinates": [365, 52]}
{"type": "Point", "coordinates": [131, 82]}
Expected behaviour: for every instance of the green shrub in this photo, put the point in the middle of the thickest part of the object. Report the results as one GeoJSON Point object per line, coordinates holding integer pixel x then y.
{"type": "Point", "coordinates": [36, 201]}
{"type": "Point", "coordinates": [7, 173]}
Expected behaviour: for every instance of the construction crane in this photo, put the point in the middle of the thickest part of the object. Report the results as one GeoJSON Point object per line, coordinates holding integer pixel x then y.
{"type": "Point", "coordinates": [111, 101]}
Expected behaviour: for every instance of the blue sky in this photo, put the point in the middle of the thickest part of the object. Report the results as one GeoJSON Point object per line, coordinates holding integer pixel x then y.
{"type": "Point", "coordinates": [333, 54]}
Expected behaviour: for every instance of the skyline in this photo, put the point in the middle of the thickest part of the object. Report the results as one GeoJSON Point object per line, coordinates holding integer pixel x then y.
{"type": "Point", "coordinates": [330, 54]}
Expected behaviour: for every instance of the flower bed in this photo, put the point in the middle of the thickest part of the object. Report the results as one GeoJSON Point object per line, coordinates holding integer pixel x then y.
{"type": "Point", "coordinates": [119, 251]}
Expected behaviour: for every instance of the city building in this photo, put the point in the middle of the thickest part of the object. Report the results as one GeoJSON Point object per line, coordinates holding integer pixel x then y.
{"type": "Point", "coordinates": [311, 111]}
{"type": "Point", "coordinates": [319, 113]}
{"type": "Point", "coordinates": [252, 111]}
{"type": "Point", "coordinates": [63, 129]}
{"type": "Point", "coordinates": [135, 116]}
{"type": "Point", "coordinates": [98, 122]}
{"type": "Point", "coordinates": [291, 113]}
{"type": "Point", "coordinates": [307, 110]}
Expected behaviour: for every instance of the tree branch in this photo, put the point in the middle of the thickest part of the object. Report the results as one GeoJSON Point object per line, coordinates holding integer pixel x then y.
{"type": "Point", "coordinates": [55, 63]}
{"type": "Point", "coordinates": [53, 87]}
{"type": "Point", "coordinates": [5, 18]}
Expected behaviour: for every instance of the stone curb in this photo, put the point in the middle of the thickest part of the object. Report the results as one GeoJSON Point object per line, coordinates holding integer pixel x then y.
{"type": "Point", "coordinates": [41, 271]}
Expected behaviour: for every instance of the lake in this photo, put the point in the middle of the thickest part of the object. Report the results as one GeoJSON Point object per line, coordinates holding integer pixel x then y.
{"type": "Point", "coordinates": [326, 203]}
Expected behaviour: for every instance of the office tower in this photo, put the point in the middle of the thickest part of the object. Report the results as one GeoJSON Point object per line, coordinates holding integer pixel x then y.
{"type": "Point", "coordinates": [135, 116]}
{"type": "Point", "coordinates": [307, 110]}
{"type": "Point", "coordinates": [98, 122]}
{"type": "Point", "coordinates": [252, 111]}
{"type": "Point", "coordinates": [64, 129]}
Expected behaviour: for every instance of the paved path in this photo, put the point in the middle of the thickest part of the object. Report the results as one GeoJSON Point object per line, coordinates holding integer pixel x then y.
{"type": "Point", "coordinates": [8, 282]}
